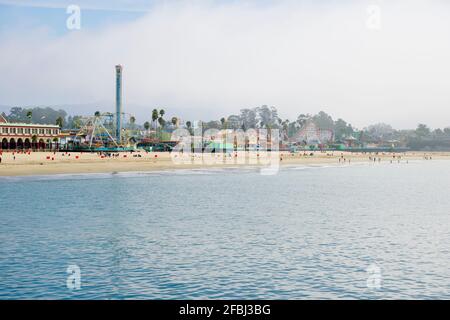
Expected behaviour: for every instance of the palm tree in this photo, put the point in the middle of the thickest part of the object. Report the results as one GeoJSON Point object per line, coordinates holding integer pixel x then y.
{"type": "Point", "coordinates": [161, 122]}
{"type": "Point", "coordinates": [223, 121]}
{"type": "Point", "coordinates": [147, 126]}
{"type": "Point", "coordinates": [285, 126]}
{"type": "Point", "coordinates": [155, 116]}
{"type": "Point", "coordinates": [60, 122]}
{"type": "Point", "coordinates": [132, 122]}
{"type": "Point", "coordinates": [189, 125]}
{"type": "Point", "coordinates": [29, 115]}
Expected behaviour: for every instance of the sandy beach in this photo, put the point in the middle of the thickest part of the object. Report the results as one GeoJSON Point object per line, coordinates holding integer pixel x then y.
{"type": "Point", "coordinates": [47, 163]}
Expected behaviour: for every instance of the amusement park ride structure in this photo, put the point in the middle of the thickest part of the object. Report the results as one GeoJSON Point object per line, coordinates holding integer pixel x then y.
{"type": "Point", "coordinates": [98, 131]}
{"type": "Point", "coordinates": [95, 130]}
{"type": "Point", "coordinates": [105, 131]}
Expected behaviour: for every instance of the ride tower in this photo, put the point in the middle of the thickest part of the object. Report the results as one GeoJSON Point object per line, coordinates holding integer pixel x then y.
{"type": "Point", "coordinates": [119, 103]}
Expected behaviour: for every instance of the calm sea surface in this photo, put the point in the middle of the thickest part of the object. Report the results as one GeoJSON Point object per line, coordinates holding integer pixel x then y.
{"type": "Point", "coordinates": [230, 234]}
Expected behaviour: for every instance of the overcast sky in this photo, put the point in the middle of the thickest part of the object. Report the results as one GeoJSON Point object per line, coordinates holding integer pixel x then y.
{"type": "Point", "coordinates": [208, 59]}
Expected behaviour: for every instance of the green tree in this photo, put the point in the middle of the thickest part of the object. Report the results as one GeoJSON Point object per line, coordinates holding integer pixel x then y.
{"type": "Point", "coordinates": [35, 115]}
{"type": "Point", "coordinates": [233, 122]}
{"type": "Point", "coordinates": [324, 121]}
{"type": "Point", "coordinates": [161, 122]}
{"type": "Point", "coordinates": [147, 126]}
{"type": "Point", "coordinates": [248, 117]}
{"type": "Point", "coordinates": [422, 130]}
{"type": "Point", "coordinates": [132, 122]}
{"type": "Point", "coordinates": [268, 117]}
{"type": "Point", "coordinates": [77, 122]}
{"type": "Point", "coordinates": [155, 116]}
{"type": "Point", "coordinates": [342, 129]}
{"type": "Point", "coordinates": [285, 127]}
{"type": "Point", "coordinates": [438, 133]}
{"type": "Point", "coordinates": [16, 114]}
{"type": "Point", "coordinates": [302, 119]}
{"type": "Point", "coordinates": [29, 115]}
{"type": "Point", "coordinates": [60, 122]}
{"type": "Point", "coordinates": [212, 125]}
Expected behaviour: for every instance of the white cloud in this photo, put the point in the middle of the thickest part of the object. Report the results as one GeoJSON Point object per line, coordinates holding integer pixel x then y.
{"type": "Point", "coordinates": [210, 60]}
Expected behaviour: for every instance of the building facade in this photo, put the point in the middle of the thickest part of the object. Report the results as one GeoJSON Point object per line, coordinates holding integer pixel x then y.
{"type": "Point", "coordinates": [311, 134]}
{"type": "Point", "coordinates": [25, 136]}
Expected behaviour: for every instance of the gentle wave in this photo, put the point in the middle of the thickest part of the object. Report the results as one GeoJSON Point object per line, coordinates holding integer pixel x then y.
{"type": "Point", "coordinates": [308, 232]}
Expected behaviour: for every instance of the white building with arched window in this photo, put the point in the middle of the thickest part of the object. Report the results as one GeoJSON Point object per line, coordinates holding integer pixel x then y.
{"type": "Point", "coordinates": [25, 136]}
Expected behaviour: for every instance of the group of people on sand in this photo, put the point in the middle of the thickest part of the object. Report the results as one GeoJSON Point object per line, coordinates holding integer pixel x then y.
{"type": "Point", "coordinates": [116, 155]}
{"type": "Point", "coordinates": [342, 159]}
{"type": "Point", "coordinates": [374, 159]}
{"type": "Point", "coordinates": [108, 155]}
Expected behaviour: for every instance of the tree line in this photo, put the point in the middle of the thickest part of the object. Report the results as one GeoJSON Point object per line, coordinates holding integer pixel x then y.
{"type": "Point", "coordinates": [259, 117]}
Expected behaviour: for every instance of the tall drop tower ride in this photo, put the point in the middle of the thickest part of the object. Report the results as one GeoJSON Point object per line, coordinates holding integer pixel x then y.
{"type": "Point", "coordinates": [118, 104]}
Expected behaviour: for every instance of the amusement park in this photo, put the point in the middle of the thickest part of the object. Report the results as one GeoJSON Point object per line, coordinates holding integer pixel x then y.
{"type": "Point", "coordinates": [113, 132]}
{"type": "Point", "coordinates": [117, 131]}
{"type": "Point", "coordinates": [105, 131]}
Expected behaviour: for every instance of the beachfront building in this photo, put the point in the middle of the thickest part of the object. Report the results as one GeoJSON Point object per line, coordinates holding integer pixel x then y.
{"type": "Point", "coordinates": [311, 134]}
{"type": "Point", "coordinates": [25, 136]}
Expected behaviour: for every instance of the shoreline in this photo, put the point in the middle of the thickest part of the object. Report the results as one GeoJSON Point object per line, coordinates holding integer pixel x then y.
{"type": "Point", "coordinates": [50, 163]}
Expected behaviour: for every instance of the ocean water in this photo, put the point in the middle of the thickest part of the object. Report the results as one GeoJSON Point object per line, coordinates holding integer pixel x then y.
{"type": "Point", "coordinates": [305, 233]}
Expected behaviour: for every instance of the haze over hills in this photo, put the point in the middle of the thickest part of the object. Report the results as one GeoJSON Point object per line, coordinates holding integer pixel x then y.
{"type": "Point", "coordinates": [142, 113]}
